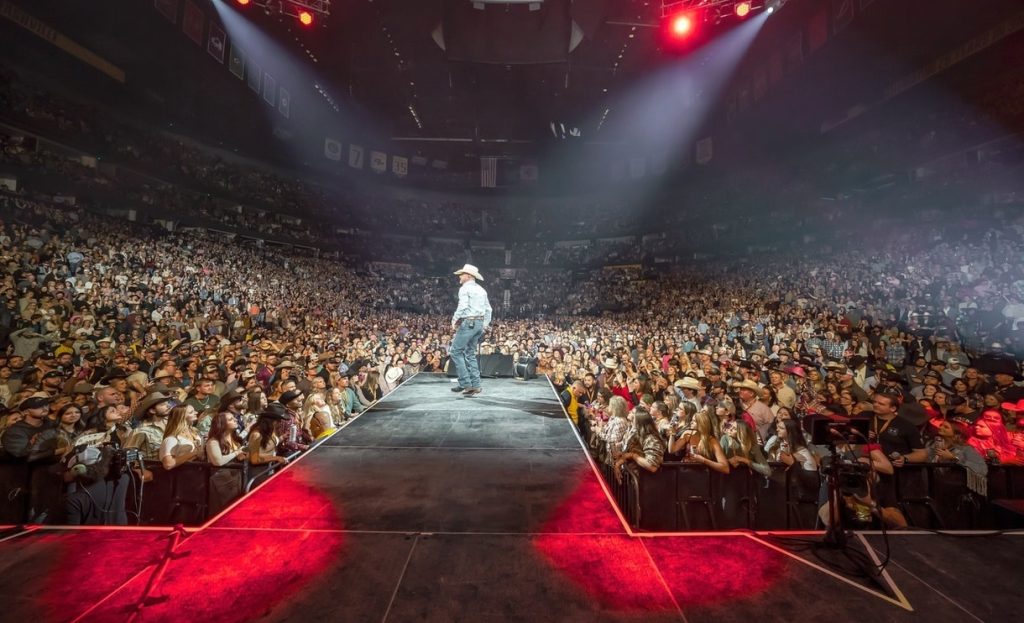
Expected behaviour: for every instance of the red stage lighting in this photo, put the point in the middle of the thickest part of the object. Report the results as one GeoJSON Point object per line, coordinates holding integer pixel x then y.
{"type": "Point", "coordinates": [242, 2]}
{"type": "Point", "coordinates": [682, 25]}
{"type": "Point", "coordinates": [742, 9]}
{"type": "Point", "coordinates": [306, 18]}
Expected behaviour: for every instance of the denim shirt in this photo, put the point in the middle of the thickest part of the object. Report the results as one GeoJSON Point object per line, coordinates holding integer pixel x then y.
{"type": "Point", "coordinates": [473, 303]}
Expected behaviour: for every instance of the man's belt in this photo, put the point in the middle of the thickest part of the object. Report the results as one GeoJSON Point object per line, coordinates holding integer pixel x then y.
{"type": "Point", "coordinates": [471, 318]}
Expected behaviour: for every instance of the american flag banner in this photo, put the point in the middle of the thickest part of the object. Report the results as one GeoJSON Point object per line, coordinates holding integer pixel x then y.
{"type": "Point", "coordinates": [488, 172]}
{"type": "Point", "coordinates": [193, 22]}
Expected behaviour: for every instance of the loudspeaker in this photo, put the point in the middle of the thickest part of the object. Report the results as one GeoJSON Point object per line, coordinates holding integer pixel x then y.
{"type": "Point", "coordinates": [492, 366]}
{"type": "Point", "coordinates": [525, 368]}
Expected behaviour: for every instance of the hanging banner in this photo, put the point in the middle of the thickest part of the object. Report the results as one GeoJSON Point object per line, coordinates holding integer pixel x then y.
{"type": "Point", "coordinates": [253, 79]}
{"type": "Point", "coordinates": [269, 89]}
{"type": "Point", "coordinates": [842, 14]}
{"type": "Point", "coordinates": [236, 63]}
{"type": "Point", "coordinates": [332, 149]}
{"type": "Point", "coordinates": [817, 30]}
{"type": "Point", "coordinates": [167, 8]}
{"type": "Point", "coordinates": [378, 161]}
{"type": "Point", "coordinates": [284, 103]}
{"type": "Point", "coordinates": [215, 43]}
{"type": "Point", "coordinates": [488, 172]}
{"type": "Point", "coordinates": [529, 172]}
{"type": "Point", "coordinates": [775, 67]}
{"type": "Point", "coordinates": [193, 22]}
{"type": "Point", "coordinates": [400, 165]}
{"type": "Point", "coordinates": [419, 161]}
{"type": "Point", "coordinates": [705, 150]}
{"type": "Point", "coordinates": [355, 156]}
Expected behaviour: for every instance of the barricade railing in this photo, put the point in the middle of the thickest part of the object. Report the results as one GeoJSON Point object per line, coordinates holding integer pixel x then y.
{"type": "Point", "coordinates": [684, 496]}
{"type": "Point", "coordinates": [188, 494]}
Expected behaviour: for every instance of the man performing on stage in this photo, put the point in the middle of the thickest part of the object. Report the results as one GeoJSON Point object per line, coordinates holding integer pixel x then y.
{"type": "Point", "coordinates": [469, 321]}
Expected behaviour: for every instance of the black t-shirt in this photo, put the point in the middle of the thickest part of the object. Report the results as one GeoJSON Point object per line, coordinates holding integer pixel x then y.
{"type": "Point", "coordinates": [898, 435]}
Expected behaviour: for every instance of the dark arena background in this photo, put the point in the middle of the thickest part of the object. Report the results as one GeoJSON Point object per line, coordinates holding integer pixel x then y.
{"type": "Point", "coordinates": [751, 350]}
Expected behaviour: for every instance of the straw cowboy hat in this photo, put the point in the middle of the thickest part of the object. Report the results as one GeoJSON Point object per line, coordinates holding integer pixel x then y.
{"type": "Point", "coordinates": [688, 382]}
{"type": "Point", "coordinates": [470, 270]}
{"type": "Point", "coordinates": [752, 386]}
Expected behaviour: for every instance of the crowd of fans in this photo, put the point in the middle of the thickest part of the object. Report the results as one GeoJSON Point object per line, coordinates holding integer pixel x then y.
{"type": "Point", "coordinates": [191, 345]}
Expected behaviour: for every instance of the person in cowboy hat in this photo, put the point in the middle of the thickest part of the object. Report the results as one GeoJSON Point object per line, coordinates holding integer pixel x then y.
{"type": "Point", "coordinates": [152, 411]}
{"type": "Point", "coordinates": [749, 392]}
{"type": "Point", "coordinates": [470, 320]}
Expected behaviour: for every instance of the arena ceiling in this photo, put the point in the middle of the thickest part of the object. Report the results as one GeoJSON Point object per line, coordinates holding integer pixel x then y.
{"type": "Point", "coordinates": [383, 56]}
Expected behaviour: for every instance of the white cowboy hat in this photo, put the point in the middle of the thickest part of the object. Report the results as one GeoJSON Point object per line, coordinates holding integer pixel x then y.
{"type": "Point", "coordinates": [393, 375]}
{"type": "Point", "coordinates": [470, 270]}
{"type": "Point", "coordinates": [415, 358]}
{"type": "Point", "coordinates": [611, 363]}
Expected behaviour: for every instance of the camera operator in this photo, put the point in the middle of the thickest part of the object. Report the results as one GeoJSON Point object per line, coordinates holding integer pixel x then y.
{"type": "Point", "coordinates": [864, 474]}
{"type": "Point", "coordinates": [98, 480]}
{"type": "Point", "coordinates": [899, 438]}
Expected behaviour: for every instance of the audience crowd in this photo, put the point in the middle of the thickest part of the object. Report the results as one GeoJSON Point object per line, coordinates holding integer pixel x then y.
{"type": "Point", "coordinates": [191, 345]}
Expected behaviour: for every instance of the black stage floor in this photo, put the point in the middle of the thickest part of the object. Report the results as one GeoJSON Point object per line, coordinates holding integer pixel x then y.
{"type": "Point", "coordinates": [434, 507]}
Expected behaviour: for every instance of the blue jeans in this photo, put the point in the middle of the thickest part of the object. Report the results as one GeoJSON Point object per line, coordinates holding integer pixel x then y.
{"type": "Point", "coordinates": [463, 352]}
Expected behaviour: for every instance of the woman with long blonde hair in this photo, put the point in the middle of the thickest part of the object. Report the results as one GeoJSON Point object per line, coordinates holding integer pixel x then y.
{"type": "Point", "coordinates": [182, 443]}
{"type": "Point", "coordinates": [702, 445]}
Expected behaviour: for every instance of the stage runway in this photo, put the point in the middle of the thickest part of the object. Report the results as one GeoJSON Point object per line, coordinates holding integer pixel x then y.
{"type": "Point", "coordinates": [435, 507]}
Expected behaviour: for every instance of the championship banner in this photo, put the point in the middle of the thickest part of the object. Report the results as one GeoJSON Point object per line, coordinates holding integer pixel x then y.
{"type": "Point", "coordinates": [284, 103]}
{"type": "Point", "coordinates": [419, 161]}
{"type": "Point", "coordinates": [269, 89]}
{"type": "Point", "coordinates": [332, 149]}
{"type": "Point", "coordinates": [842, 14]}
{"type": "Point", "coordinates": [760, 84]}
{"type": "Point", "coordinates": [400, 165]}
{"type": "Point", "coordinates": [215, 43]}
{"type": "Point", "coordinates": [488, 172]}
{"type": "Point", "coordinates": [817, 30]}
{"type": "Point", "coordinates": [705, 150]}
{"type": "Point", "coordinates": [355, 156]}
{"type": "Point", "coordinates": [253, 79]}
{"type": "Point", "coordinates": [775, 67]}
{"type": "Point", "coordinates": [795, 51]}
{"type": "Point", "coordinates": [439, 164]}
{"type": "Point", "coordinates": [236, 62]}
{"type": "Point", "coordinates": [378, 161]}
{"type": "Point", "coordinates": [167, 8]}
{"type": "Point", "coordinates": [193, 22]}
{"type": "Point", "coordinates": [529, 172]}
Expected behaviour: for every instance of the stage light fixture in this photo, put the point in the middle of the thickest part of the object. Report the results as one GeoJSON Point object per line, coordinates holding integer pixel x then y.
{"type": "Point", "coordinates": [242, 2]}
{"type": "Point", "coordinates": [682, 25]}
{"type": "Point", "coordinates": [305, 18]}
{"type": "Point", "coordinates": [742, 9]}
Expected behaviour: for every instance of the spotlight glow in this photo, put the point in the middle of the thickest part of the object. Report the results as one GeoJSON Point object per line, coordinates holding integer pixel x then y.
{"type": "Point", "coordinates": [242, 2]}
{"type": "Point", "coordinates": [306, 18]}
{"type": "Point", "coordinates": [742, 9]}
{"type": "Point", "coordinates": [682, 24]}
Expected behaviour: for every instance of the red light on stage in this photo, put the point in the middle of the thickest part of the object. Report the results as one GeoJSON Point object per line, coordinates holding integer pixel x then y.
{"type": "Point", "coordinates": [682, 25]}
{"type": "Point", "coordinates": [306, 18]}
{"type": "Point", "coordinates": [242, 2]}
{"type": "Point", "coordinates": [742, 9]}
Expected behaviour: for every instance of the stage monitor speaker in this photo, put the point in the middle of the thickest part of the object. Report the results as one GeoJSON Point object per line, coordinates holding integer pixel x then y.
{"type": "Point", "coordinates": [526, 369]}
{"type": "Point", "coordinates": [491, 366]}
